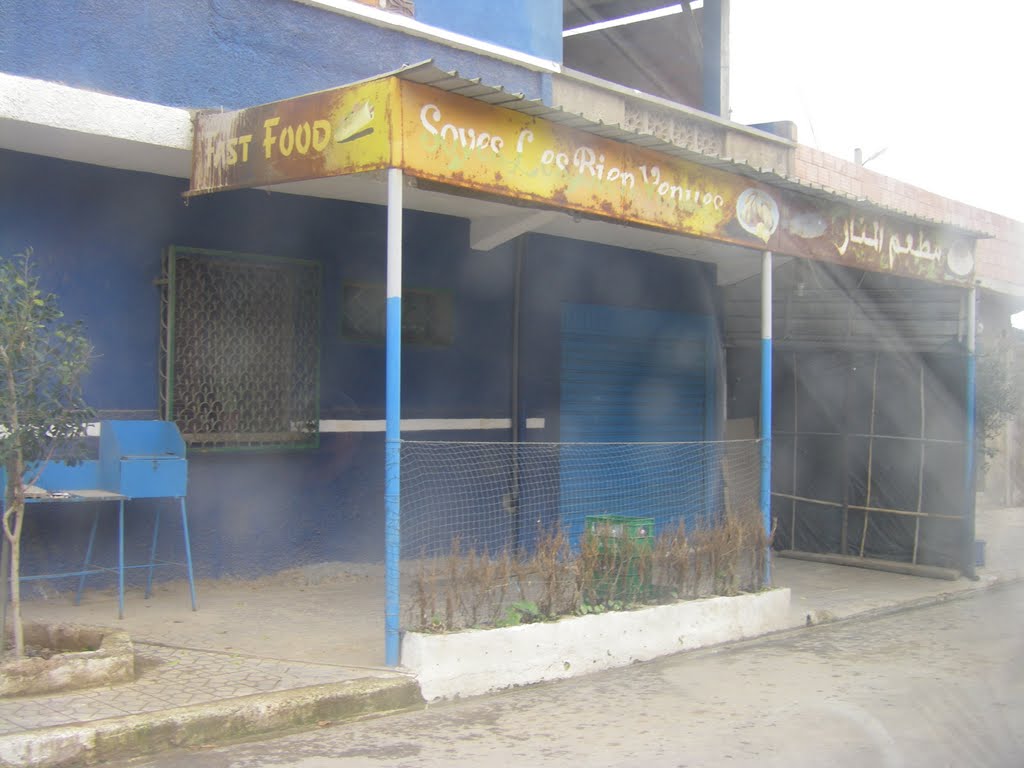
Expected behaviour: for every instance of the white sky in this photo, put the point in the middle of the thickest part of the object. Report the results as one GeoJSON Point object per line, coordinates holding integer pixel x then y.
{"type": "Point", "coordinates": [938, 83]}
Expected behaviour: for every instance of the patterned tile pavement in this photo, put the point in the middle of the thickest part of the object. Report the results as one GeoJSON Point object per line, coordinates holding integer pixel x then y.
{"type": "Point", "coordinates": [168, 677]}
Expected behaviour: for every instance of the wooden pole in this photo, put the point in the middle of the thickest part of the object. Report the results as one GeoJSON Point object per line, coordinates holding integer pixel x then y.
{"type": "Point", "coordinates": [845, 431]}
{"type": "Point", "coordinates": [891, 566]}
{"type": "Point", "coordinates": [861, 507]}
{"type": "Point", "coordinates": [920, 471]}
{"type": "Point", "coordinates": [871, 450]}
{"type": "Point", "coordinates": [796, 436]}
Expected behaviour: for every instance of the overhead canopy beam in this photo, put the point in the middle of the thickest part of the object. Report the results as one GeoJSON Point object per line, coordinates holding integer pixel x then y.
{"type": "Point", "coordinates": [491, 231]}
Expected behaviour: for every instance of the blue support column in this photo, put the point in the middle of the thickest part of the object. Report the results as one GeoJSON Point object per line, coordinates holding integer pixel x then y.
{"type": "Point", "coordinates": [969, 437]}
{"type": "Point", "coordinates": [766, 403]}
{"type": "Point", "coordinates": [393, 422]}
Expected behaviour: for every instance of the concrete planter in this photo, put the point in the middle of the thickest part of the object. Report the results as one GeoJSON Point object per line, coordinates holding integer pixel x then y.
{"type": "Point", "coordinates": [479, 661]}
{"type": "Point", "coordinates": [113, 661]}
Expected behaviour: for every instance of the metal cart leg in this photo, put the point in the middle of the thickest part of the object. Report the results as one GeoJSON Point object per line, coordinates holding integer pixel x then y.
{"type": "Point", "coordinates": [120, 559]}
{"type": "Point", "coordinates": [88, 557]}
{"type": "Point", "coordinates": [188, 554]}
{"type": "Point", "coordinates": [152, 553]}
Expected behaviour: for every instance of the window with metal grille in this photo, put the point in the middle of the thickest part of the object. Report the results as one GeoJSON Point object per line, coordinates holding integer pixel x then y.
{"type": "Point", "coordinates": [240, 361]}
{"type": "Point", "coordinates": [427, 316]}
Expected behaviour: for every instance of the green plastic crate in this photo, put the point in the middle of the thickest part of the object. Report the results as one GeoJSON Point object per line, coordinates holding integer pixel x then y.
{"type": "Point", "coordinates": [610, 528]}
{"type": "Point", "coordinates": [618, 580]}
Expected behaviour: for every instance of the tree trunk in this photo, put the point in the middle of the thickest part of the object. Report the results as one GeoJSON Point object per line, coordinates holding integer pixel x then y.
{"type": "Point", "coordinates": [14, 516]}
{"type": "Point", "coordinates": [5, 591]}
{"type": "Point", "coordinates": [16, 625]}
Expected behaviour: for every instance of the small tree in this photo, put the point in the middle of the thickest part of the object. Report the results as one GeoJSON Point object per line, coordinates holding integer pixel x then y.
{"type": "Point", "coordinates": [998, 394]}
{"type": "Point", "coordinates": [42, 363]}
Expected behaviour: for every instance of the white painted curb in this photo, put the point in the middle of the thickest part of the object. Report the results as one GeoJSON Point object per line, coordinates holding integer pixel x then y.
{"type": "Point", "coordinates": [479, 661]}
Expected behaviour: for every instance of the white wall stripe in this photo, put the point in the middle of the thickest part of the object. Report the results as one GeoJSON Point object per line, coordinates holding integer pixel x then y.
{"type": "Point", "coordinates": [424, 425]}
{"type": "Point", "coordinates": [408, 425]}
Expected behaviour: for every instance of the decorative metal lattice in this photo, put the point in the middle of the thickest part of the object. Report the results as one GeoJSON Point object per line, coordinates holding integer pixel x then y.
{"type": "Point", "coordinates": [241, 340]}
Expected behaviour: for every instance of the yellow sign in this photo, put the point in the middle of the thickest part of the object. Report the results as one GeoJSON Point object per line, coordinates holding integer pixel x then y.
{"type": "Point", "coordinates": [330, 133]}
{"type": "Point", "coordinates": [465, 143]}
{"type": "Point", "coordinates": [471, 144]}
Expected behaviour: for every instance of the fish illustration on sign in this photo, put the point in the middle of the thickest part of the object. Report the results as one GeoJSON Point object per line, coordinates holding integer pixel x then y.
{"type": "Point", "coordinates": [807, 226]}
{"type": "Point", "coordinates": [960, 259]}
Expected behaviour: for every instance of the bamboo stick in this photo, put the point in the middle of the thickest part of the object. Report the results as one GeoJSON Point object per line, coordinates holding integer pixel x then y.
{"type": "Point", "coordinates": [920, 471]}
{"type": "Point", "coordinates": [796, 436]}
{"type": "Point", "coordinates": [871, 450]}
{"type": "Point", "coordinates": [863, 508]}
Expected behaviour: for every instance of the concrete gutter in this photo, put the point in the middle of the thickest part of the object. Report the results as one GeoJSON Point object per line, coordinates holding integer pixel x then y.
{"type": "Point", "coordinates": [213, 723]}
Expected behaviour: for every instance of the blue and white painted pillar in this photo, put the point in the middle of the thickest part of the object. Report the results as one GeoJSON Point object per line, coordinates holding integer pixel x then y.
{"type": "Point", "coordinates": [393, 422]}
{"type": "Point", "coordinates": [969, 437]}
{"type": "Point", "coordinates": [766, 403]}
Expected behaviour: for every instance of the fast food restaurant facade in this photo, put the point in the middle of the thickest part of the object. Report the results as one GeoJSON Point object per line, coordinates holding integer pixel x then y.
{"type": "Point", "coordinates": [411, 129]}
{"type": "Point", "coordinates": [502, 230]}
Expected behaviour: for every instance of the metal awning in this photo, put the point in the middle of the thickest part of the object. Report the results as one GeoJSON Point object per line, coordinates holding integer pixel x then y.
{"type": "Point", "coordinates": [426, 73]}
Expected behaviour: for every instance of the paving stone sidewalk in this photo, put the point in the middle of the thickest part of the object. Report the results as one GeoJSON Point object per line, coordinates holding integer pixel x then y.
{"type": "Point", "coordinates": [166, 678]}
{"type": "Point", "coordinates": [264, 647]}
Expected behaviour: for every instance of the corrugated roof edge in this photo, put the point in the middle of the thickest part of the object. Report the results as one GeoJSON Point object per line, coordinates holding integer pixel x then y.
{"type": "Point", "coordinates": [427, 73]}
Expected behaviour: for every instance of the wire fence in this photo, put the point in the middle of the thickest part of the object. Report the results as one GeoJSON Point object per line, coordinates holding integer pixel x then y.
{"type": "Point", "coordinates": [502, 533]}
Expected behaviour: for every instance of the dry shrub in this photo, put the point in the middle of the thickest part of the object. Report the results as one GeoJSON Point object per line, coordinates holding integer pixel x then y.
{"type": "Point", "coordinates": [730, 556]}
{"type": "Point", "coordinates": [725, 559]}
{"type": "Point", "coordinates": [465, 588]}
{"type": "Point", "coordinates": [674, 564]}
{"type": "Point", "coordinates": [424, 607]}
{"type": "Point", "coordinates": [555, 568]}
{"type": "Point", "coordinates": [470, 587]}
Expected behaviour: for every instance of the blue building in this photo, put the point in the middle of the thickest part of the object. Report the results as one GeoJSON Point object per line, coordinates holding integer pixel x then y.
{"type": "Point", "coordinates": [255, 317]}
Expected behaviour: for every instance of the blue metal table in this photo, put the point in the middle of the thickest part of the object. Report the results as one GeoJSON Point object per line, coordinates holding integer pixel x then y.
{"type": "Point", "coordinates": [137, 460]}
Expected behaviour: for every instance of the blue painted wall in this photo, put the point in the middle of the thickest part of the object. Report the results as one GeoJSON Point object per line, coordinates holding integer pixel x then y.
{"type": "Point", "coordinates": [532, 26]}
{"type": "Point", "coordinates": [221, 53]}
{"type": "Point", "coordinates": [98, 235]}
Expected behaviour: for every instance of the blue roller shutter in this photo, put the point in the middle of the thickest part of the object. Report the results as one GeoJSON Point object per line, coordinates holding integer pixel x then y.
{"type": "Point", "coordinates": [632, 376]}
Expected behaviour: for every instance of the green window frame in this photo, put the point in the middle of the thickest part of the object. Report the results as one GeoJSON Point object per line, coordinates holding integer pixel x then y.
{"type": "Point", "coordinates": [240, 349]}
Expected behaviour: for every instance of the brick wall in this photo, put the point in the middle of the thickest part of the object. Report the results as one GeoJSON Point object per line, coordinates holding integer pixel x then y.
{"type": "Point", "coordinates": [1000, 259]}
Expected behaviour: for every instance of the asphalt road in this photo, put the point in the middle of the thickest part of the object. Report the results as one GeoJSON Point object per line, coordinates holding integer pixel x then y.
{"type": "Point", "coordinates": [940, 686]}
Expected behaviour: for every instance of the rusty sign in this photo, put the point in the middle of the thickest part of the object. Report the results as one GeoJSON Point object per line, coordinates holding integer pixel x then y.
{"type": "Point", "coordinates": [466, 143]}
{"type": "Point", "coordinates": [330, 133]}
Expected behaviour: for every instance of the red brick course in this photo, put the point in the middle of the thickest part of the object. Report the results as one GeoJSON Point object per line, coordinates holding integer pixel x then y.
{"type": "Point", "coordinates": [1000, 259]}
